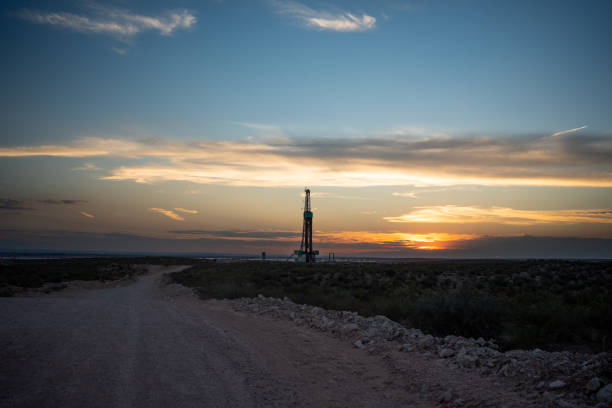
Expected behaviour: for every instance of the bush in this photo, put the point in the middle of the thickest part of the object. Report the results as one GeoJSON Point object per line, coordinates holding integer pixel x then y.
{"type": "Point", "coordinates": [527, 304]}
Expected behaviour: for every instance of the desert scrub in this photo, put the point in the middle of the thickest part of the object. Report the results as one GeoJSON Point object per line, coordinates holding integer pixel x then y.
{"type": "Point", "coordinates": [19, 275]}
{"type": "Point", "coordinates": [547, 304]}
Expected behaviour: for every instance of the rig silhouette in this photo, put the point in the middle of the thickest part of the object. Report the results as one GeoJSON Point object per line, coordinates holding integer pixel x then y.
{"type": "Point", "coordinates": [306, 253]}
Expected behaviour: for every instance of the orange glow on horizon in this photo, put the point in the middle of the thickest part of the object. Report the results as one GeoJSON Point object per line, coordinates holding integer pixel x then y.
{"type": "Point", "coordinates": [429, 241]}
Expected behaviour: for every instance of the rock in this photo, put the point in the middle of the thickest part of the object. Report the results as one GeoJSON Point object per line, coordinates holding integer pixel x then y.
{"type": "Point", "coordinates": [466, 360]}
{"type": "Point", "coordinates": [556, 384]}
{"type": "Point", "coordinates": [506, 371]}
{"type": "Point", "coordinates": [406, 347]}
{"type": "Point", "coordinates": [551, 396]}
{"type": "Point", "coordinates": [373, 334]}
{"type": "Point", "coordinates": [326, 323]}
{"type": "Point", "coordinates": [594, 384]}
{"type": "Point", "coordinates": [348, 328]}
{"type": "Point", "coordinates": [370, 332]}
{"type": "Point", "coordinates": [605, 394]}
{"type": "Point", "coordinates": [447, 396]}
{"type": "Point", "coordinates": [426, 342]}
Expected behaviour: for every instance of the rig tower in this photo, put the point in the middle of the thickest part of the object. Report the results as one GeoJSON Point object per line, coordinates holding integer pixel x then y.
{"type": "Point", "coordinates": [306, 246]}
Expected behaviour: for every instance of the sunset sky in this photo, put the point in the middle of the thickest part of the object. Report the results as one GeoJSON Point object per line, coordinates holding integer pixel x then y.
{"type": "Point", "coordinates": [423, 128]}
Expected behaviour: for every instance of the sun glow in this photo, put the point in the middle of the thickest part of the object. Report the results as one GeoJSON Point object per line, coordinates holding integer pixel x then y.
{"type": "Point", "coordinates": [396, 240]}
{"type": "Point", "coordinates": [429, 241]}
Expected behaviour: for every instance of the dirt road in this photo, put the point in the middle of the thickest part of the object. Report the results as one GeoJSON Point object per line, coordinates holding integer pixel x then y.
{"type": "Point", "coordinates": [136, 346]}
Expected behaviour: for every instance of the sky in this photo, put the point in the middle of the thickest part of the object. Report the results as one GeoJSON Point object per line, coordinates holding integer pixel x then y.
{"type": "Point", "coordinates": [423, 128]}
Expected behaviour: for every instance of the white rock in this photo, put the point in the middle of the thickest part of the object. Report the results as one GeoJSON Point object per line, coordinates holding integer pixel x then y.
{"type": "Point", "coordinates": [446, 352]}
{"type": "Point", "coordinates": [358, 344]}
{"type": "Point", "coordinates": [556, 384]}
{"type": "Point", "coordinates": [406, 347]}
{"type": "Point", "coordinates": [466, 360]}
{"type": "Point", "coordinates": [369, 332]}
{"type": "Point", "coordinates": [427, 342]}
{"type": "Point", "coordinates": [348, 328]}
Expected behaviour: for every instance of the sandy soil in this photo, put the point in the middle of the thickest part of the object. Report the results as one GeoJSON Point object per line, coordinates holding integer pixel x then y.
{"type": "Point", "coordinates": [146, 345]}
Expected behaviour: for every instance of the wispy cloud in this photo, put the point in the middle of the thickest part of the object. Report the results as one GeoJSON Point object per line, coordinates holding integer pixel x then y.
{"type": "Point", "coordinates": [11, 204]}
{"type": "Point", "coordinates": [322, 19]}
{"type": "Point", "coordinates": [86, 214]}
{"type": "Point", "coordinates": [261, 127]}
{"type": "Point", "coordinates": [409, 194]}
{"type": "Point", "coordinates": [184, 210]}
{"type": "Point", "coordinates": [65, 202]}
{"type": "Point", "coordinates": [87, 167]}
{"type": "Point", "coordinates": [565, 132]}
{"type": "Point", "coordinates": [452, 214]}
{"type": "Point", "coordinates": [291, 236]}
{"type": "Point", "coordinates": [167, 213]}
{"type": "Point", "coordinates": [113, 21]}
{"type": "Point", "coordinates": [538, 160]}
{"type": "Point", "coordinates": [120, 51]}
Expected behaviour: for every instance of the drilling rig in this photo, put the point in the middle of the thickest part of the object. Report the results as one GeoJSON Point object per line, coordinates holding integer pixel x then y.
{"type": "Point", "coordinates": [306, 250]}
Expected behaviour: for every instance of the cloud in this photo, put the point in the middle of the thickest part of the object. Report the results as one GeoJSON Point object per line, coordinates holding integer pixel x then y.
{"type": "Point", "coordinates": [537, 160]}
{"type": "Point", "coordinates": [410, 194]}
{"type": "Point", "coordinates": [120, 51]}
{"type": "Point", "coordinates": [186, 210]}
{"type": "Point", "coordinates": [452, 214]}
{"type": "Point", "coordinates": [11, 204]}
{"type": "Point", "coordinates": [333, 196]}
{"type": "Point", "coordinates": [324, 20]}
{"type": "Point", "coordinates": [85, 214]}
{"type": "Point", "coordinates": [66, 202]}
{"type": "Point", "coordinates": [241, 235]}
{"type": "Point", "coordinates": [261, 127]}
{"type": "Point", "coordinates": [113, 21]}
{"type": "Point", "coordinates": [87, 167]}
{"type": "Point", "coordinates": [565, 132]}
{"type": "Point", "coordinates": [168, 213]}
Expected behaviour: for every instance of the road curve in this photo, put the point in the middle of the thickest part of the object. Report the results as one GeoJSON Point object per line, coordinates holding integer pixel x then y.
{"type": "Point", "coordinates": [131, 346]}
